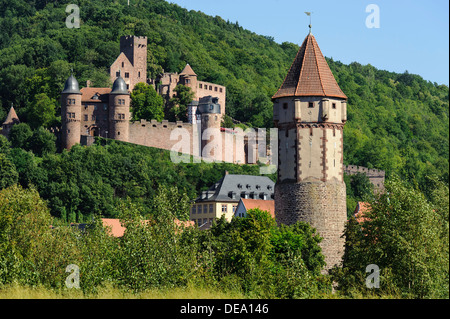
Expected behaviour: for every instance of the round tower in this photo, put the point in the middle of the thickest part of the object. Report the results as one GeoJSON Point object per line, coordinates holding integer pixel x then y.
{"type": "Point", "coordinates": [119, 111]}
{"type": "Point", "coordinates": [209, 110]}
{"type": "Point", "coordinates": [70, 113]}
{"type": "Point", "coordinates": [189, 78]}
{"type": "Point", "coordinates": [310, 113]}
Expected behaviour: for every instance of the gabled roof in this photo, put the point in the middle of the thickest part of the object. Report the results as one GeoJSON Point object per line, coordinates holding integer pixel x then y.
{"type": "Point", "coordinates": [230, 188]}
{"type": "Point", "coordinates": [188, 70]}
{"type": "Point", "coordinates": [88, 94]}
{"type": "Point", "coordinates": [12, 117]}
{"type": "Point", "coordinates": [265, 205]}
{"type": "Point", "coordinates": [310, 74]}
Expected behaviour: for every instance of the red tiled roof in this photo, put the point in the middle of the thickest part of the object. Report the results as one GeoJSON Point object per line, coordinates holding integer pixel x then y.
{"type": "Point", "coordinates": [360, 212]}
{"type": "Point", "coordinates": [187, 70]}
{"type": "Point", "coordinates": [117, 230]}
{"type": "Point", "coordinates": [265, 205]}
{"type": "Point", "coordinates": [12, 117]}
{"type": "Point", "coordinates": [88, 92]}
{"type": "Point", "coordinates": [310, 74]}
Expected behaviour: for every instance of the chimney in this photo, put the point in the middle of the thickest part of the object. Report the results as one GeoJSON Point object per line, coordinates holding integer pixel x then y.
{"type": "Point", "coordinates": [88, 83]}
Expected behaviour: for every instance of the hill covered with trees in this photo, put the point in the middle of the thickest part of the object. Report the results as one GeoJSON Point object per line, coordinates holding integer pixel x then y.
{"type": "Point", "coordinates": [396, 122]}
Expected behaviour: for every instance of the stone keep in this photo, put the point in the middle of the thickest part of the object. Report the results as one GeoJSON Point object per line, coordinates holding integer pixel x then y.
{"type": "Point", "coordinates": [310, 112]}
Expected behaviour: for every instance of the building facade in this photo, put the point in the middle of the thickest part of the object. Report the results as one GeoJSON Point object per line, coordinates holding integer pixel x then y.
{"type": "Point", "coordinates": [310, 112]}
{"type": "Point", "coordinates": [223, 197]}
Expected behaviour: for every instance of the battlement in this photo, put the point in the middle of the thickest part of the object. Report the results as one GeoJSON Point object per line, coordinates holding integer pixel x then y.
{"type": "Point", "coordinates": [370, 172]}
{"type": "Point", "coordinates": [165, 124]}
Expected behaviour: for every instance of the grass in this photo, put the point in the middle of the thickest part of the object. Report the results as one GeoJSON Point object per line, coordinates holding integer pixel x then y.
{"type": "Point", "coordinates": [24, 292]}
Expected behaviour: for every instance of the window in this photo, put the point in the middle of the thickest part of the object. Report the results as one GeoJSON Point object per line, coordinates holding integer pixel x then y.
{"type": "Point", "coordinates": [86, 117]}
{"type": "Point", "coordinates": [187, 81]}
{"type": "Point", "coordinates": [210, 208]}
{"type": "Point", "coordinates": [215, 88]}
{"type": "Point", "coordinates": [199, 222]}
{"type": "Point", "coordinates": [127, 75]}
{"type": "Point", "coordinates": [234, 208]}
{"type": "Point", "coordinates": [205, 220]}
{"type": "Point", "coordinates": [200, 86]}
{"type": "Point", "coordinates": [220, 90]}
{"type": "Point", "coordinates": [199, 211]}
{"type": "Point", "coordinates": [139, 74]}
{"type": "Point", "coordinates": [224, 209]}
{"type": "Point", "coordinates": [210, 87]}
{"type": "Point", "coordinates": [205, 209]}
{"type": "Point", "coordinates": [334, 106]}
{"type": "Point", "coordinates": [311, 105]}
{"type": "Point", "coordinates": [118, 73]}
{"type": "Point", "coordinates": [123, 64]}
{"type": "Point", "coordinates": [285, 106]}
{"type": "Point", "coordinates": [194, 209]}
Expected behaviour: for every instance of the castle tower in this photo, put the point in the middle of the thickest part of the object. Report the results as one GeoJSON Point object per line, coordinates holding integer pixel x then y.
{"type": "Point", "coordinates": [132, 61]}
{"type": "Point", "coordinates": [189, 78]}
{"type": "Point", "coordinates": [11, 119]}
{"type": "Point", "coordinates": [310, 113]}
{"type": "Point", "coordinates": [211, 144]}
{"type": "Point", "coordinates": [119, 111]}
{"type": "Point", "coordinates": [70, 113]}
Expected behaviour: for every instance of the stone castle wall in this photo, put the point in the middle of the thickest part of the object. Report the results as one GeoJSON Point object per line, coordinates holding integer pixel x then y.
{"type": "Point", "coordinates": [376, 176]}
{"type": "Point", "coordinates": [320, 204]}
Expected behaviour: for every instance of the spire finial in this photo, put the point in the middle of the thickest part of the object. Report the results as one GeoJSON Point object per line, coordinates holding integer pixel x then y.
{"type": "Point", "coordinates": [310, 24]}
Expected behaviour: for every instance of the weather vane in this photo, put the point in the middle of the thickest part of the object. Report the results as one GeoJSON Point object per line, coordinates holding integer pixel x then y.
{"type": "Point", "coordinates": [309, 15]}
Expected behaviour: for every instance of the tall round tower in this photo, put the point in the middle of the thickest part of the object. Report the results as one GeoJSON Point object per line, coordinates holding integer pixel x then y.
{"type": "Point", "coordinates": [70, 113]}
{"type": "Point", "coordinates": [211, 145]}
{"type": "Point", "coordinates": [310, 113]}
{"type": "Point", "coordinates": [119, 111]}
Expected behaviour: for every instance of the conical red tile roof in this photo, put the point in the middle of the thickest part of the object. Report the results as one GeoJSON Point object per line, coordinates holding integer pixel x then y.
{"type": "Point", "coordinates": [187, 70]}
{"type": "Point", "coordinates": [12, 117]}
{"type": "Point", "coordinates": [310, 74]}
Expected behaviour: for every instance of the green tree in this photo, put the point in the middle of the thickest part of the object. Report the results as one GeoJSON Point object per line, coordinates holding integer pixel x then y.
{"type": "Point", "coordinates": [19, 135]}
{"type": "Point", "coordinates": [146, 104]}
{"type": "Point", "coordinates": [179, 103]}
{"type": "Point", "coordinates": [403, 236]}
{"type": "Point", "coordinates": [42, 142]}
{"type": "Point", "coordinates": [8, 173]}
{"type": "Point", "coordinates": [42, 111]}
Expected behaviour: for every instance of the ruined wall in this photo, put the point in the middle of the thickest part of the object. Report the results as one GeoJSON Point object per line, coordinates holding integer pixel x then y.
{"type": "Point", "coordinates": [375, 176]}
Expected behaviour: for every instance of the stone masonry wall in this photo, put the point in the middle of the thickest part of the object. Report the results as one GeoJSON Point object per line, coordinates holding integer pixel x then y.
{"type": "Point", "coordinates": [322, 205]}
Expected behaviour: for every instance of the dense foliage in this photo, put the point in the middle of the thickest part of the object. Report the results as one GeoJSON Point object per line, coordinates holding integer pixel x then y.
{"type": "Point", "coordinates": [249, 255]}
{"type": "Point", "coordinates": [407, 237]}
{"type": "Point", "coordinates": [396, 122]}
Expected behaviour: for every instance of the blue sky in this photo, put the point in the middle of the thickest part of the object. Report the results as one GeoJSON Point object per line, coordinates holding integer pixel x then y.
{"type": "Point", "coordinates": [413, 35]}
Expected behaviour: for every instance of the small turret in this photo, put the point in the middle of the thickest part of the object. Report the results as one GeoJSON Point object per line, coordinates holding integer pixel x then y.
{"type": "Point", "coordinates": [119, 112]}
{"type": "Point", "coordinates": [71, 113]}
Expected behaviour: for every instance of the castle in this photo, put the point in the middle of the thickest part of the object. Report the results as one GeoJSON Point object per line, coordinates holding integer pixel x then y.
{"type": "Point", "coordinates": [105, 112]}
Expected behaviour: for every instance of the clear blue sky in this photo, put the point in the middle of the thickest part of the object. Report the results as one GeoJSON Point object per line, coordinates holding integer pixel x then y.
{"type": "Point", "coordinates": [413, 35]}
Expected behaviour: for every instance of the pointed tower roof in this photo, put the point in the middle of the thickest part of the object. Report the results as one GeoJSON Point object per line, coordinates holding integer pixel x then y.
{"type": "Point", "coordinates": [310, 74]}
{"type": "Point", "coordinates": [12, 117]}
{"type": "Point", "coordinates": [188, 70]}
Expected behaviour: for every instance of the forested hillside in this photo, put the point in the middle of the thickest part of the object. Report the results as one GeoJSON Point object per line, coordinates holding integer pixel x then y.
{"type": "Point", "coordinates": [396, 122]}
